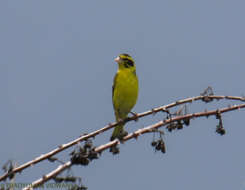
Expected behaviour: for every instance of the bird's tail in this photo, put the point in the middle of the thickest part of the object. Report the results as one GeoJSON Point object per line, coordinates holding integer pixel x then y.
{"type": "Point", "coordinates": [118, 130]}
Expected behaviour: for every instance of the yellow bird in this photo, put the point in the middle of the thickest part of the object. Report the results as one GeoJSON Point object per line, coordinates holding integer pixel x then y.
{"type": "Point", "coordinates": [124, 92]}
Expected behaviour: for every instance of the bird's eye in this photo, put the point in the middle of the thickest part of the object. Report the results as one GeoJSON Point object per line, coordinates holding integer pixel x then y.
{"type": "Point", "coordinates": [129, 63]}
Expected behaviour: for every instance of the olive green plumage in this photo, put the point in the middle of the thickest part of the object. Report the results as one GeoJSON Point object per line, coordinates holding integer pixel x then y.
{"type": "Point", "coordinates": [124, 91]}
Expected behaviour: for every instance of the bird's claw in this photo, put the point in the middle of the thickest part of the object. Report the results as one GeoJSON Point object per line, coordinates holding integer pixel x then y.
{"type": "Point", "coordinates": [135, 115]}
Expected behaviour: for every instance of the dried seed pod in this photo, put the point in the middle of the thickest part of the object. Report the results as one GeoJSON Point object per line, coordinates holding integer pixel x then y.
{"type": "Point", "coordinates": [78, 158]}
{"type": "Point", "coordinates": [93, 155]}
{"type": "Point", "coordinates": [186, 121]}
{"type": "Point", "coordinates": [163, 148]}
{"type": "Point", "coordinates": [220, 130]}
{"type": "Point", "coordinates": [179, 125]}
{"type": "Point", "coordinates": [153, 143]}
{"type": "Point", "coordinates": [88, 144]}
{"type": "Point", "coordinates": [158, 146]}
{"type": "Point", "coordinates": [171, 126]}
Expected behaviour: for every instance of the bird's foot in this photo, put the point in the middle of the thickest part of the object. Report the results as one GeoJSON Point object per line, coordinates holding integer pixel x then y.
{"type": "Point", "coordinates": [135, 115]}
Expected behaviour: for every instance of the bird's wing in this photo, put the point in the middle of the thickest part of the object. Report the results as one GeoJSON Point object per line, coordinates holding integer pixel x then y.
{"type": "Point", "coordinates": [114, 85]}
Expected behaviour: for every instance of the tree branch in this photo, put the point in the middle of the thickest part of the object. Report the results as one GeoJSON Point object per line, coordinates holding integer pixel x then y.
{"type": "Point", "coordinates": [112, 125]}
{"type": "Point", "coordinates": [136, 134]}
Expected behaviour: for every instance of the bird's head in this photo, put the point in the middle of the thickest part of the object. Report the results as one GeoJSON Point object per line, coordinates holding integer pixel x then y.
{"type": "Point", "coordinates": [125, 61]}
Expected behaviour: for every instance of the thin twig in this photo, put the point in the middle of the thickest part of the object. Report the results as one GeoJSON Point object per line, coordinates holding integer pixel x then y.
{"type": "Point", "coordinates": [135, 134]}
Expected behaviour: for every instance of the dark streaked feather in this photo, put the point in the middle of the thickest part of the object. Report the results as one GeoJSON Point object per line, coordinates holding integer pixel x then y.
{"type": "Point", "coordinates": [128, 63]}
{"type": "Point", "coordinates": [114, 85]}
{"type": "Point", "coordinates": [125, 54]}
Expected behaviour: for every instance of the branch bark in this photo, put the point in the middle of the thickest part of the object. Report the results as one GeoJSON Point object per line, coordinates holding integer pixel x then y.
{"type": "Point", "coordinates": [112, 125]}
{"type": "Point", "coordinates": [136, 134]}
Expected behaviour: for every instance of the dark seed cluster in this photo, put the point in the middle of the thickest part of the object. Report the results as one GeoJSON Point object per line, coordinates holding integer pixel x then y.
{"type": "Point", "coordinates": [159, 145]}
{"type": "Point", "coordinates": [84, 154]}
{"type": "Point", "coordinates": [219, 128]}
{"type": "Point", "coordinates": [178, 124]}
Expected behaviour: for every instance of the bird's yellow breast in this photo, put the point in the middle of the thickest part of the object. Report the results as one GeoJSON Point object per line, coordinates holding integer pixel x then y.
{"type": "Point", "coordinates": [125, 92]}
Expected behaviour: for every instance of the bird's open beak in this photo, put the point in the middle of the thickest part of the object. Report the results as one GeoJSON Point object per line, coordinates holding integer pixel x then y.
{"type": "Point", "coordinates": [117, 59]}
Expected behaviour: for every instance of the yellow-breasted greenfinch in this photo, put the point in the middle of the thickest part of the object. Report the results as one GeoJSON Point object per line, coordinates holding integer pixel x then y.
{"type": "Point", "coordinates": [124, 91]}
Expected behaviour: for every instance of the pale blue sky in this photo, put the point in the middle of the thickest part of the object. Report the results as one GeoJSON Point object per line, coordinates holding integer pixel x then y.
{"type": "Point", "coordinates": [56, 71]}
